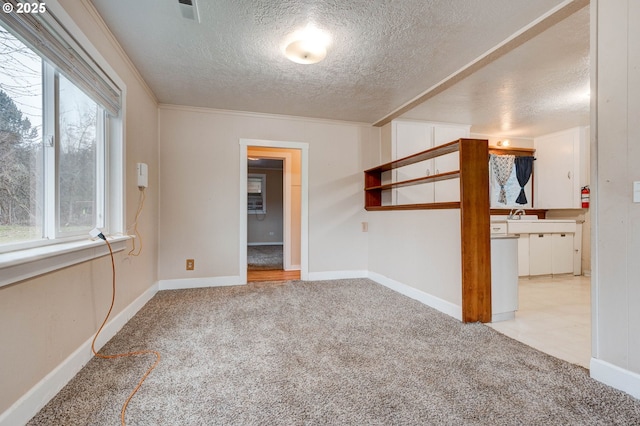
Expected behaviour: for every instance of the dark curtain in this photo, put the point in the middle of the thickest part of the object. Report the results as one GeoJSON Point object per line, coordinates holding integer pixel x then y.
{"type": "Point", "coordinates": [524, 166]}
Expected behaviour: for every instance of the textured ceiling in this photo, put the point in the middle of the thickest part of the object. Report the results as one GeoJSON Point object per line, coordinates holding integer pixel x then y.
{"type": "Point", "coordinates": [382, 55]}
{"type": "Point", "coordinates": [538, 88]}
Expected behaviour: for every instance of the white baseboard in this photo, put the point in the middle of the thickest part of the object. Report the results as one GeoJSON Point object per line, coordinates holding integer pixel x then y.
{"type": "Point", "coordinates": [503, 316]}
{"type": "Point", "coordinates": [616, 377]}
{"type": "Point", "coordinates": [336, 275]}
{"type": "Point", "coordinates": [40, 394]}
{"type": "Point", "coordinates": [293, 268]}
{"type": "Point", "coordinates": [184, 283]}
{"type": "Point", "coordinates": [441, 305]}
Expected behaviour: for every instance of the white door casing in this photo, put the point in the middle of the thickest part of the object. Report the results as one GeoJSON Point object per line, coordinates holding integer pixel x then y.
{"type": "Point", "coordinates": [304, 208]}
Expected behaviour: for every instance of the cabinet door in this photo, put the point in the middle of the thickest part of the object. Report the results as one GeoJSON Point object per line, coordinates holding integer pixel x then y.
{"type": "Point", "coordinates": [557, 169]}
{"type": "Point", "coordinates": [539, 254]}
{"type": "Point", "coordinates": [562, 253]}
{"type": "Point", "coordinates": [523, 255]}
{"type": "Point", "coordinates": [410, 138]}
{"type": "Point", "coordinates": [447, 190]}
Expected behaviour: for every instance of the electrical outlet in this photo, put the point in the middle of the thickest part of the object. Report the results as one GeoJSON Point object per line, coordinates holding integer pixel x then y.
{"type": "Point", "coordinates": [190, 264]}
{"type": "Point", "coordinates": [365, 226]}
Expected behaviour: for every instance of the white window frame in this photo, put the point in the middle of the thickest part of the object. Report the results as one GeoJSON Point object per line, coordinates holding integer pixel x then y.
{"type": "Point", "coordinates": [263, 192]}
{"type": "Point", "coordinates": [30, 259]}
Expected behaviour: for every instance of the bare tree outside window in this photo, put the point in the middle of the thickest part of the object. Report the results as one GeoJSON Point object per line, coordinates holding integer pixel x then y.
{"type": "Point", "coordinates": [78, 121]}
{"type": "Point", "coordinates": [64, 167]}
{"type": "Point", "coordinates": [20, 140]}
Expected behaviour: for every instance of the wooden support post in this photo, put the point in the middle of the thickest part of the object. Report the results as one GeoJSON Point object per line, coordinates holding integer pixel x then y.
{"type": "Point", "coordinates": [475, 232]}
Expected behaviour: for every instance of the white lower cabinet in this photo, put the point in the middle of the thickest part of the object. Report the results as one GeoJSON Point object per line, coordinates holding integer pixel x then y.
{"type": "Point", "coordinates": [547, 254]}
{"type": "Point", "coordinates": [545, 246]}
{"type": "Point", "coordinates": [539, 254]}
{"type": "Point", "coordinates": [562, 253]}
{"type": "Point", "coordinates": [523, 255]}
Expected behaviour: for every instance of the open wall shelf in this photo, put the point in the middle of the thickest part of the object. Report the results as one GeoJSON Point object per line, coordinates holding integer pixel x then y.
{"type": "Point", "coordinates": [374, 187]}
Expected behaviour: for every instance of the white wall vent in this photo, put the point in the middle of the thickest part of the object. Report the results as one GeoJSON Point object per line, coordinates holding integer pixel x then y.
{"type": "Point", "coordinates": [189, 10]}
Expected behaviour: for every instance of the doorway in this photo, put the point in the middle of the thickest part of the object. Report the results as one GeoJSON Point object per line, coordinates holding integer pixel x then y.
{"type": "Point", "coordinates": [266, 189]}
{"type": "Point", "coordinates": [274, 224]}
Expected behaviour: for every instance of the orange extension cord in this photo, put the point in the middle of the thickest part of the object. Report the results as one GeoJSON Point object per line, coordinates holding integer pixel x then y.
{"type": "Point", "coordinates": [133, 251]}
{"type": "Point", "coordinates": [157, 354]}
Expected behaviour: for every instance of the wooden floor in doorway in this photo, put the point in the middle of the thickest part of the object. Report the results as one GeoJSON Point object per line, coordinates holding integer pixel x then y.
{"type": "Point", "coordinates": [274, 275]}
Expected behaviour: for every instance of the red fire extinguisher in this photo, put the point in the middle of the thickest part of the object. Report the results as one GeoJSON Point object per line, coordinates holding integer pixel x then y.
{"type": "Point", "coordinates": [584, 195]}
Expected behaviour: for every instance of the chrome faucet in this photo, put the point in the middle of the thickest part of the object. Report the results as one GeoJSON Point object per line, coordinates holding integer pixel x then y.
{"type": "Point", "coordinates": [516, 214]}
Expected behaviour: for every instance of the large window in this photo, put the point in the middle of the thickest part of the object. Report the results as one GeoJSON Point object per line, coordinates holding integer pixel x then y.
{"type": "Point", "coordinates": [61, 144]}
{"type": "Point", "coordinates": [51, 151]}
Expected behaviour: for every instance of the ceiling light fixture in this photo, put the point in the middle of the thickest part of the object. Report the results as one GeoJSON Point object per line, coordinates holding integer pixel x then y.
{"type": "Point", "coordinates": [307, 46]}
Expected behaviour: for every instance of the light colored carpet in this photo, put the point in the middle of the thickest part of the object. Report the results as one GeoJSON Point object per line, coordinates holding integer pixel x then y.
{"type": "Point", "coordinates": [347, 352]}
{"type": "Point", "coordinates": [261, 258]}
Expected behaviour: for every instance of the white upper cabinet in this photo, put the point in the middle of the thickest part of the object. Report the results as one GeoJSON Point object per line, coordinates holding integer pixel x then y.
{"type": "Point", "coordinates": [410, 137]}
{"type": "Point", "coordinates": [561, 168]}
{"type": "Point", "coordinates": [448, 190]}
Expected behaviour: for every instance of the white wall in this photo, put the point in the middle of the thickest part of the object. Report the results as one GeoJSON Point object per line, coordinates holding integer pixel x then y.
{"type": "Point", "coordinates": [420, 249]}
{"type": "Point", "coordinates": [200, 189]}
{"type": "Point", "coordinates": [45, 319]}
{"type": "Point", "coordinates": [616, 219]}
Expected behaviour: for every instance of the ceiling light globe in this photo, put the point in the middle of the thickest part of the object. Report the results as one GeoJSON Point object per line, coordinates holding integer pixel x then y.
{"type": "Point", "coordinates": [305, 52]}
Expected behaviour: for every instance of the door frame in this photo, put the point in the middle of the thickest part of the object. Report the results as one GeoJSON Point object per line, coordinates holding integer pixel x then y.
{"type": "Point", "coordinates": [286, 200]}
{"type": "Point", "coordinates": [304, 208]}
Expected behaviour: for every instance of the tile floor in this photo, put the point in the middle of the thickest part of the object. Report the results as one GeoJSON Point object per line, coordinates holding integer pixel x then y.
{"type": "Point", "coordinates": [554, 316]}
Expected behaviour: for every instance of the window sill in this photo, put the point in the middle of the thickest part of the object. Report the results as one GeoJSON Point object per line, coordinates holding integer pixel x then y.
{"type": "Point", "coordinates": [24, 264]}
